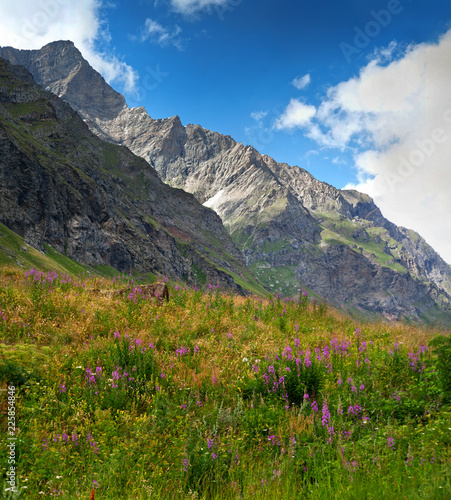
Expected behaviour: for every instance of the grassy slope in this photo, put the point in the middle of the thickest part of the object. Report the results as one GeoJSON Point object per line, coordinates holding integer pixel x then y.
{"type": "Point", "coordinates": [193, 417]}
{"type": "Point", "coordinates": [339, 231]}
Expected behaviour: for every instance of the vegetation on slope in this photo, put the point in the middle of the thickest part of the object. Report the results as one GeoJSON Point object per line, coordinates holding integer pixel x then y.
{"type": "Point", "coordinates": [216, 396]}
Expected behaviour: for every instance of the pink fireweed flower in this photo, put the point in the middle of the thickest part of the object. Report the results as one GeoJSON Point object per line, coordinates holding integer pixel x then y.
{"type": "Point", "coordinates": [287, 353]}
{"type": "Point", "coordinates": [354, 410]}
{"type": "Point", "coordinates": [326, 414]}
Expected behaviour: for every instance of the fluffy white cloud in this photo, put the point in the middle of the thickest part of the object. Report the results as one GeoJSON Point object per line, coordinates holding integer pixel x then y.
{"type": "Point", "coordinates": [30, 24]}
{"type": "Point", "coordinates": [157, 33]}
{"type": "Point", "coordinates": [300, 82]}
{"type": "Point", "coordinates": [297, 115]}
{"type": "Point", "coordinates": [189, 7]}
{"type": "Point", "coordinates": [397, 116]}
{"type": "Point", "coordinates": [259, 115]}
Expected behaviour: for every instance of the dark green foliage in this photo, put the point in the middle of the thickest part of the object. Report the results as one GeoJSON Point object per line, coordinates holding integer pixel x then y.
{"type": "Point", "coordinates": [285, 378]}
{"type": "Point", "coordinates": [13, 374]}
{"type": "Point", "coordinates": [442, 347]}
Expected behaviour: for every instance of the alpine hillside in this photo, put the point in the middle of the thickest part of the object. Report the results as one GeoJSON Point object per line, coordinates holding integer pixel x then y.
{"type": "Point", "coordinates": [289, 226]}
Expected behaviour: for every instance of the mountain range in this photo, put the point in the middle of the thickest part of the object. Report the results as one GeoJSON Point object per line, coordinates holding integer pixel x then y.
{"type": "Point", "coordinates": [98, 203]}
{"type": "Point", "coordinates": [287, 227]}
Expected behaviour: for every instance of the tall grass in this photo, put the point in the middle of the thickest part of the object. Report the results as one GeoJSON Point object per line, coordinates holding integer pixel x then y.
{"type": "Point", "coordinates": [216, 396]}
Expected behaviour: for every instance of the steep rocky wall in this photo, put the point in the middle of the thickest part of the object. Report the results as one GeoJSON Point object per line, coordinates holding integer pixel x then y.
{"type": "Point", "coordinates": [98, 203]}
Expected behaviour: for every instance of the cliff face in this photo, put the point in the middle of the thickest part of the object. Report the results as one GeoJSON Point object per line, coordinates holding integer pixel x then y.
{"type": "Point", "coordinates": [287, 224]}
{"type": "Point", "coordinates": [99, 203]}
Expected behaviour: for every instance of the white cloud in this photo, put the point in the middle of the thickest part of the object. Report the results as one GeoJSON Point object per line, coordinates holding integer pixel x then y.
{"type": "Point", "coordinates": [157, 33]}
{"type": "Point", "coordinates": [397, 116]}
{"type": "Point", "coordinates": [297, 115]}
{"type": "Point", "coordinates": [259, 115]}
{"type": "Point", "coordinates": [300, 82]}
{"type": "Point", "coordinates": [384, 54]}
{"type": "Point", "coordinates": [31, 24]}
{"type": "Point", "coordinates": [189, 7]}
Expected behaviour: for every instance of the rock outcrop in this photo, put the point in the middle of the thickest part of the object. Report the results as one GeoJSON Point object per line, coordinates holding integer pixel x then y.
{"type": "Point", "coordinates": [98, 203]}
{"type": "Point", "coordinates": [287, 224]}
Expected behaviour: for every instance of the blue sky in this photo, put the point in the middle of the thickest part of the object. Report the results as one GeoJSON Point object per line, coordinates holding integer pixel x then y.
{"type": "Point", "coordinates": [354, 91]}
{"type": "Point", "coordinates": [240, 58]}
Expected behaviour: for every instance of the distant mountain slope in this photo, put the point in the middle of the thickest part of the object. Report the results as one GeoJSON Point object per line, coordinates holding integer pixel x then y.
{"type": "Point", "coordinates": [288, 225]}
{"type": "Point", "coordinates": [98, 203]}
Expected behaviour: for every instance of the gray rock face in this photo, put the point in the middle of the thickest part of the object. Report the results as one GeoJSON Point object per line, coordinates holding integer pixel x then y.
{"type": "Point", "coordinates": [287, 224]}
{"type": "Point", "coordinates": [69, 76]}
{"type": "Point", "coordinates": [96, 202]}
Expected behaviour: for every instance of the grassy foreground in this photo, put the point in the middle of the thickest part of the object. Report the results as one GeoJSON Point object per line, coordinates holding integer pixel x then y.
{"type": "Point", "coordinates": [215, 396]}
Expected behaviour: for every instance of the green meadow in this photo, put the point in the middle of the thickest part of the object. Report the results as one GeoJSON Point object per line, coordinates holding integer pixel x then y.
{"type": "Point", "coordinates": [215, 396]}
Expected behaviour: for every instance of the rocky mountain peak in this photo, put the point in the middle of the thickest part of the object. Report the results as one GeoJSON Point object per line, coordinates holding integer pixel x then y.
{"type": "Point", "coordinates": [59, 67]}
